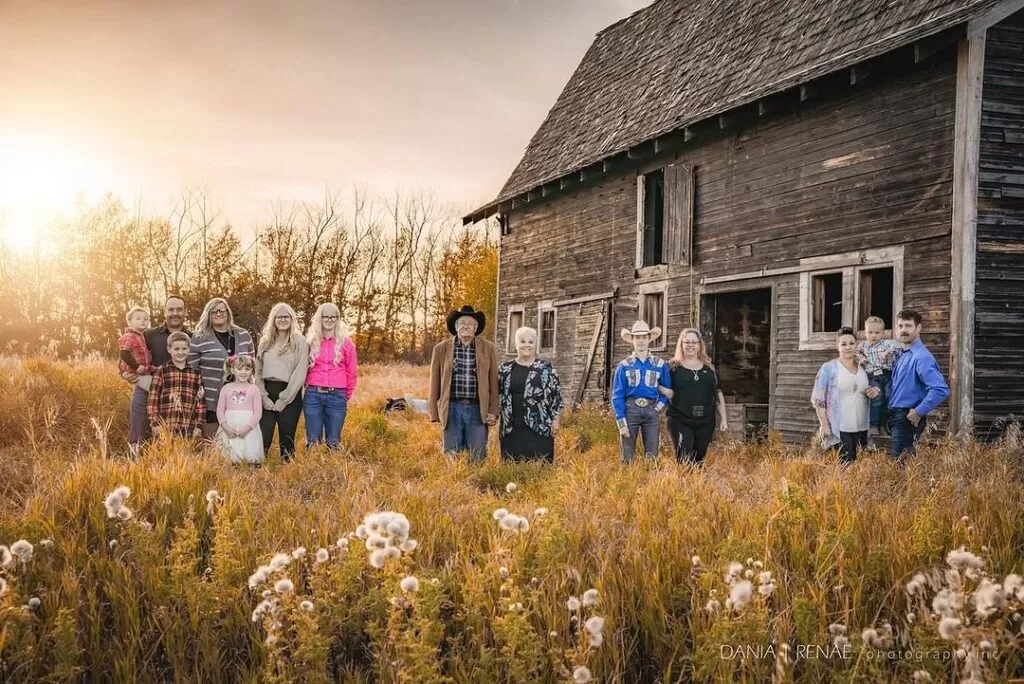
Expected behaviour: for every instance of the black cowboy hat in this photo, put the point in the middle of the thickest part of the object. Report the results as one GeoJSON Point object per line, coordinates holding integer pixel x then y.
{"type": "Point", "coordinates": [466, 310]}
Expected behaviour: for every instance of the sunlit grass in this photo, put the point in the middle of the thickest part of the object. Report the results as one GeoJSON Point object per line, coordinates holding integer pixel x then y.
{"type": "Point", "coordinates": [165, 595]}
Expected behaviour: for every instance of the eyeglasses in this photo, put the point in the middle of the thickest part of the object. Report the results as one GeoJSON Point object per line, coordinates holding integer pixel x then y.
{"type": "Point", "coordinates": [219, 312]}
{"type": "Point", "coordinates": [329, 318]}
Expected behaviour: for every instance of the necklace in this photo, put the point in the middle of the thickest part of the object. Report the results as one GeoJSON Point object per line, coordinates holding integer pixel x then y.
{"type": "Point", "coordinates": [695, 376]}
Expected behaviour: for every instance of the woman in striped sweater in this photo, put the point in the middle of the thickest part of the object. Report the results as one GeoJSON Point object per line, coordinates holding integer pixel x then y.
{"type": "Point", "coordinates": [215, 339]}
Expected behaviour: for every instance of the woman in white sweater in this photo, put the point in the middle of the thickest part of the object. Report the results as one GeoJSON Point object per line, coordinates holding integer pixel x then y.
{"type": "Point", "coordinates": [282, 359]}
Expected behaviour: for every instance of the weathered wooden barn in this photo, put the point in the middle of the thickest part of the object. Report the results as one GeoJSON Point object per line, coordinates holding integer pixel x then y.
{"type": "Point", "coordinates": [768, 171]}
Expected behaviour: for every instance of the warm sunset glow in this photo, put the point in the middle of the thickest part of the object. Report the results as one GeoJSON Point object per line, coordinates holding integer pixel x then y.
{"type": "Point", "coordinates": [40, 179]}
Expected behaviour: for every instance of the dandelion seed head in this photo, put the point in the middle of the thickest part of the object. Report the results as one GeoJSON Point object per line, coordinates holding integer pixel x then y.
{"type": "Point", "coordinates": [392, 552]}
{"type": "Point", "coordinates": [766, 589]}
{"type": "Point", "coordinates": [499, 513]}
{"type": "Point", "coordinates": [840, 642]}
{"type": "Point", "coordinates": [259, 577]}
{"type": "Point", "coordinates": [581, 675]}
{"type": "Point", "coordinates": [34, 602]}
{"type": "Point", "coordinates": [524, 525]}
{"type": "Point", "coordinates": [112, 544]}
{"type": "Point", "coordinates": [911, 617]}
{"type": "Point", "coordinates": [949, 628]}
{"type": "Point", "coordinates": [124, 513]}
{"type": "Point", "coordinates": [988, 598]}
{"type": "Point", "coordinates": [695, 561]}
{"type": "Point", "coordinates": [1013, 586]}
{"type": "Point", "coordinates": [510, 487]}
{"type": "Point", "coordinates": [922, 677]}
{"type": "Point", "coordinates": [573, 604]}
{"type": "Point", "coordinates": [323, 555]}
{"type": "Point", "coordinates": [23, 550]}
{"type": "Point", "coordinates": [590, 598]}
{"type": "Point", "coordinates": [764, 577]}
{"type": "Point", "coordinates": [836, 629]}
{"type": "Point", "coordinates": [362, 532]}
{"type": "Point", "coordinates": [553, 634]}
{"type": "Point", "coordinates": [516, 607]}
{"type": "Point", "coordinates": [283, 586]}
{"type": "Point", "coordinates": [399, 528]}
{"type": "Point", "coordinates": [271, 640]}
{"type": "Point", "coordinates": [378, 558]}
{"type": "Point", "coordinates": [733, 572]}
{"type": "Point", "coordinates": [503, 572]}
{"type": "Point", "coordinates": [342, 543]}
{"type": "Point", "coordinates": [6, 557]}
{"type": "Point", "coordinates": [594, 625]}
{"type": "Point", "coordinates": [758, 564]}
{"type": "Point", "coordinates": [122, 492]}
{"type": "Point", "coordinates": [375, 541]}
{"type": "Point", "coordinates": [740, 594]}
{"type": "Point", "coordinates": [509, 522]}
{"type": "Point", "coordinates": [410, 584]}
{"type": "Point", "coordinates": [596, 639]}
{"type": "Point", "coordinates": [306, 606]}
{"type": "Point", "coordinates": [267, 593]}
{"type": "Point", "coordinates": [279, 561]}
{"type": "Point", "coordinates": [299, 553]}
{"type": "Point", "coordinates": [870, 637]}
{"type": "Point", "coordinates": [409, 545]}
{"type": "Point", "coordinates": [749, 574]}
{"type": "Point", "coordinates": [212, 496]}
{"type": "Point", "coordinates": [540, 512]}
{"type": "Point", "coordinates": [46, 543]}
{"type": "Point", "coordinates": [712, 606]}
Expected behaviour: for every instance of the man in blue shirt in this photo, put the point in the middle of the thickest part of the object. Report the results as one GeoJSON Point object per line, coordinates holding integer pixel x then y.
{"type": "Point", "coordinates": [635, 397]}
{"type": "Point", "coordinates": [917, 385]}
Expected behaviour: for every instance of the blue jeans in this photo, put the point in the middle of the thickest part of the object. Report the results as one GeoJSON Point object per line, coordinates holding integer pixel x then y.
{"type": "Point", "coordinates": [465, 430]}
{"type": "Point", "coordinates": [325, 416]}
{"type": "Point", "coordinates": [880, 404]}
{"type": "Point", "coordinates": [904, 434]}
{"type": "Point", "coordinates": [642, 422]}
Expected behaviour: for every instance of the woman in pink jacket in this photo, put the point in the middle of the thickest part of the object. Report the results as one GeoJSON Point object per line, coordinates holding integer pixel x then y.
{"type": "Point", "coordinates": [331, 378]}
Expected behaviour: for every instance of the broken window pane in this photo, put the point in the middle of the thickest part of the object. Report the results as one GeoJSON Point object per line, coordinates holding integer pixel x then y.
{"type": "Point", "coordinates": [654, 217]}
{"type": "Point", "coordinates": [827, 303]}
{"type": "Point", "coordinates": [547, 329]}
{"type": "Point", "coordinates": [876, 295]}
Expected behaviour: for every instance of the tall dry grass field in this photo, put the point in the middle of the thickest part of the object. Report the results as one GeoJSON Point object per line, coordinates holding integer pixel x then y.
{"type": "Point", "coordinates": [768, 564]}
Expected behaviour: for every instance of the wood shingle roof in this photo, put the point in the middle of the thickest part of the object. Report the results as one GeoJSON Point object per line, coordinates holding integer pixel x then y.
{"type": "Point", "coordinates": [677, 62]}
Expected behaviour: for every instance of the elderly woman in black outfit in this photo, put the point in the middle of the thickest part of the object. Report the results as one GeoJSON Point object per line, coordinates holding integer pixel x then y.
{"type": "Point", "coordinates": [694, 399]}
{"type": "Point", "coordinates": [531, 402]}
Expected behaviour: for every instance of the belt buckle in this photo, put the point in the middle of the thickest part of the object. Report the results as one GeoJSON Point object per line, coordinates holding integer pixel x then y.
{"type": "Point", "coordinates": [323, 390]}
{"type": "Point", "coordinates": [641, 402]}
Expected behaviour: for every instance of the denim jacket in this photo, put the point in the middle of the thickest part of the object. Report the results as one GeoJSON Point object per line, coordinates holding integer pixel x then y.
{"type": "Point", "coordinates": [542, 399]}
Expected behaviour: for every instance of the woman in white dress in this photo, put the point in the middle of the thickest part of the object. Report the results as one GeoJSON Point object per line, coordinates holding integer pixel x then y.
{"type": "Point", "coordinates": [239, 409]}
{"type": "Point", "coordinates": [841, 399]}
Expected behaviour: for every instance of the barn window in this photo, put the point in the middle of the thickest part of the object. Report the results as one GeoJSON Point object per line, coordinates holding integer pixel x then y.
{"type": "Point", "coordinates": [546, 322]}
{"type": "Point", "coordinates": [844, 289]}
{"type": "Point", "coordinates": [653, 310]}
{"type": "Point", "coordinates": [652, 215]}
{"type": "Point", "coordinates": [827, 293]}
{"type": "Point", "coordinates": [515, 322]}
{"type": "Point", "coordinates": [875, 295]}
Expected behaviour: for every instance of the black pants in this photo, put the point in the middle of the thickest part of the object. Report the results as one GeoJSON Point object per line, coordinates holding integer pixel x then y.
{"type": "Point", "coordinates": [286, 421]}
{"type": "Point", "coordinates": [848, 443]}
{"type": "Point", "coordinates": [691, 437]}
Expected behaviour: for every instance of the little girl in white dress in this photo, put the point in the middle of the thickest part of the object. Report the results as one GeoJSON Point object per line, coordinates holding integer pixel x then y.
{"type": "Point", "coordinates": [238, 411]}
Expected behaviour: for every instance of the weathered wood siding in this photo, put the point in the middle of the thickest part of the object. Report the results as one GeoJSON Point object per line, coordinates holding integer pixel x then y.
{"type": "Point", "coordinates": [866, 170]}
{"type": "Point", "coordinates": [999, 294]}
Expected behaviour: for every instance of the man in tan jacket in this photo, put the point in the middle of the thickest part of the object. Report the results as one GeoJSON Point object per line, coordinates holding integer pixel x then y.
{"type": "Point", "coordinates": [464, 384]}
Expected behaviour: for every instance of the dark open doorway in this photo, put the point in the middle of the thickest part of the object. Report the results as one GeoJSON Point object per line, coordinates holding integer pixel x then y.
{"type": "Point", "coordinates": [738, 329]}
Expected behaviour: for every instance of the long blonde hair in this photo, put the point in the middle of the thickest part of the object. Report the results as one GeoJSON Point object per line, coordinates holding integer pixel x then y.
{"type": "Point", "coordinates": [702, 352]}
{"type": "Point", "coordinates": [271, 336]}
{"type": "Point", "coordinates": [315, 333]}
{"type": "Point", "coordinates": [204, 327]}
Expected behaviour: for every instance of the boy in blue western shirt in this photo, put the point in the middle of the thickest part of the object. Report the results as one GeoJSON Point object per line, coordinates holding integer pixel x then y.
{"type": "Point", "coordinates": [635, 397]}
{"type": "Point", "coordinates": [917, 385]}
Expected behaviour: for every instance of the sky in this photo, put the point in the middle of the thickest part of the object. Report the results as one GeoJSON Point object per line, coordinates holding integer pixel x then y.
{"type": "Point", "coordinates": [267, 100]}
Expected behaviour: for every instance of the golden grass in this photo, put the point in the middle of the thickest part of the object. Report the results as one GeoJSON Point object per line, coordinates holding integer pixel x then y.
{"type": "Point", "coordinates": [164, 596]}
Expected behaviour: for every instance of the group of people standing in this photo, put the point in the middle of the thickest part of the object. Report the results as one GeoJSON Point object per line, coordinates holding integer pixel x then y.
{"type": "Point", "coordinates": [215, 383]}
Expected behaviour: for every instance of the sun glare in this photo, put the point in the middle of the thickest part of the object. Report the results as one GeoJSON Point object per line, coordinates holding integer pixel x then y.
{"type": "Point", "coordinates": [40, 179]}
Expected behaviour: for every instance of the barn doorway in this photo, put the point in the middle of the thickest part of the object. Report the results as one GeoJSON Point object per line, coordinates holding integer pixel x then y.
{"type": "Point", "coordinates": [737, 326]}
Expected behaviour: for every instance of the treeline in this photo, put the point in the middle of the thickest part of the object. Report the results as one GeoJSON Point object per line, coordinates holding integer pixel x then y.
{"type": "Point", "coordinates": [394, 265]}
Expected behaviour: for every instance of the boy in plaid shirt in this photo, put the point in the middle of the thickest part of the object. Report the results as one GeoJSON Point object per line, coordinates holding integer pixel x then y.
{"type": "Point", "coordinates": [176, 398]}
{"type": "Point", "coordinates": [878, 357]}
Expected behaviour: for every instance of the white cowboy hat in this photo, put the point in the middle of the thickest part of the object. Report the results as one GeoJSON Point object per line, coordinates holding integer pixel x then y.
{"type": "Point", "coordinates": [640, 328]}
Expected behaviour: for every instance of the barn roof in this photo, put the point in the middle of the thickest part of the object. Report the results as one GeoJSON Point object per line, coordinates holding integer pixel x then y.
{"type": "Point", "coordinates": [678, 62]}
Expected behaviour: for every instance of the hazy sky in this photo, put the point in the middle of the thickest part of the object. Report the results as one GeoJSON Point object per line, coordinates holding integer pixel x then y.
{"type": "Point", "coordinates": [269, 99]}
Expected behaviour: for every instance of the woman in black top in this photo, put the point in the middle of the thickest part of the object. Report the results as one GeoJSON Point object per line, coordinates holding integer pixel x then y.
{"type": "Point", "coordinates": [531, 400]}
{"type": "Point", "coordinates": [694, 399]}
